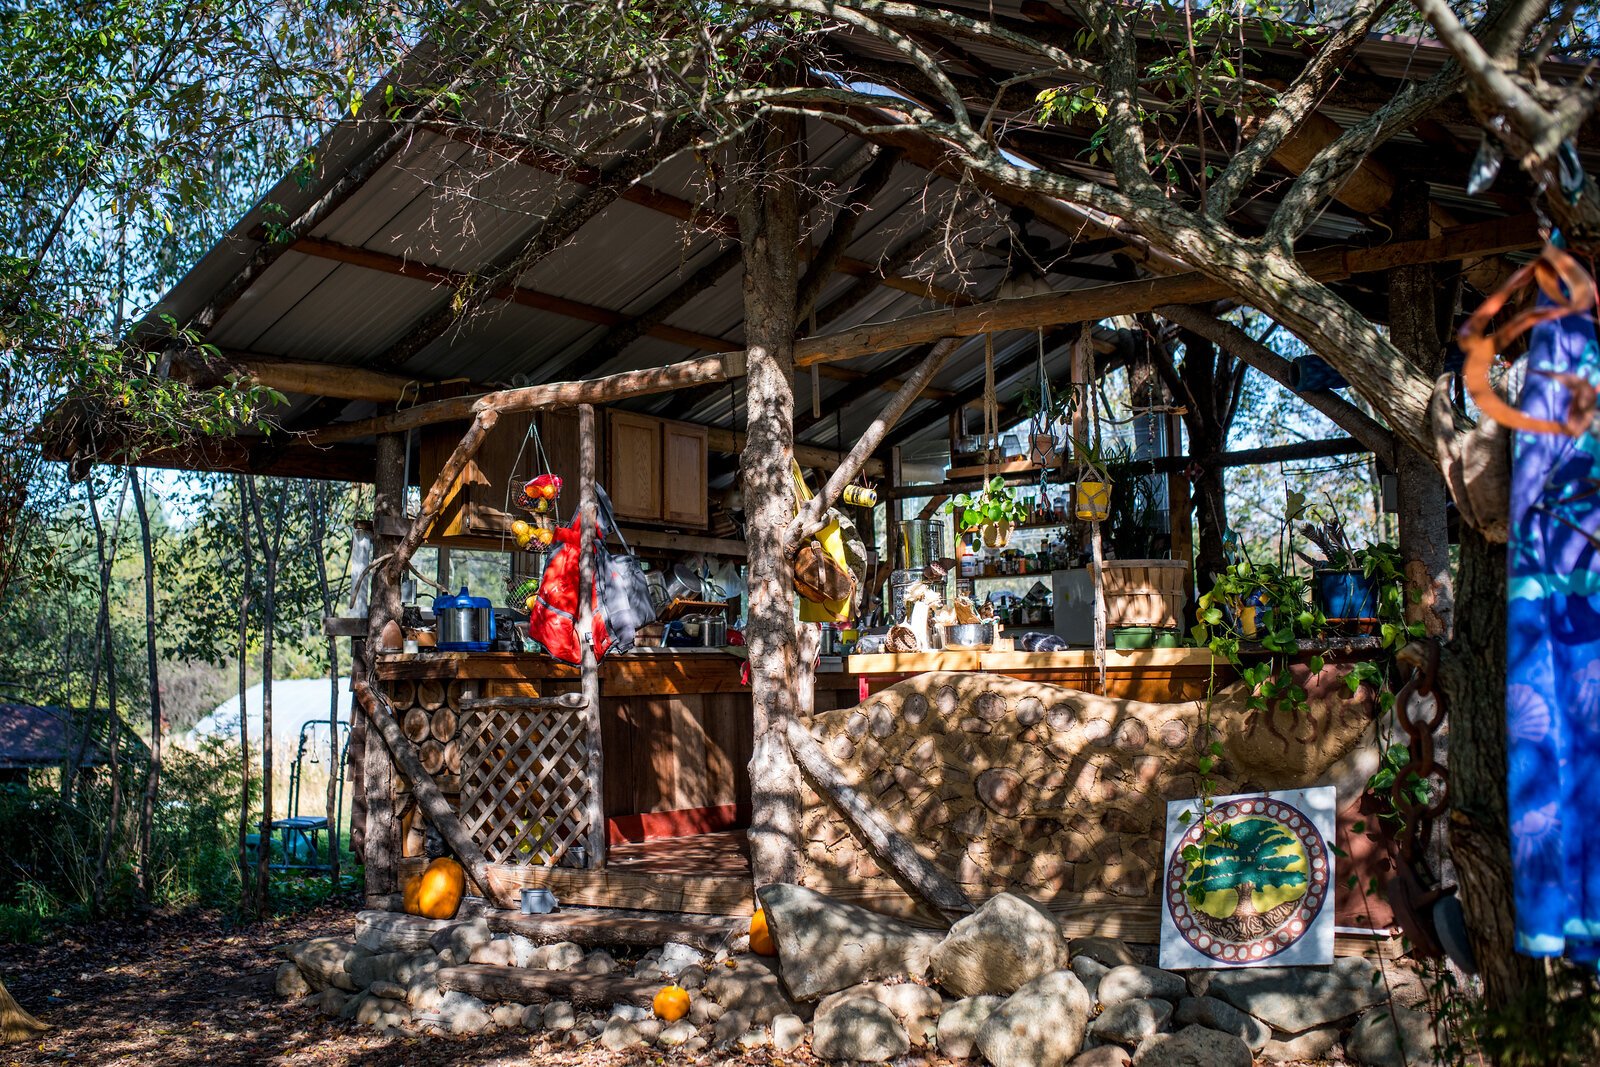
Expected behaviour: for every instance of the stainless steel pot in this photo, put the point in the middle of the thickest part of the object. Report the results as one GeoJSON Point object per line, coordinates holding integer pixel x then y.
{"type": "Point", "coordinates": [969, 635]}
{"type": "Point", "coordinates": [713, 631]}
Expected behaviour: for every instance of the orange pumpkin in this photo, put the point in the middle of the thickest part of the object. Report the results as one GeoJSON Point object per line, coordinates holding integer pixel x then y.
{"type": "Point", "coordinates": [671, 1003]}
{"type": "Point", "coordinates": [436, 893]}
{"type": "Point", "coordinates": [760, 936]}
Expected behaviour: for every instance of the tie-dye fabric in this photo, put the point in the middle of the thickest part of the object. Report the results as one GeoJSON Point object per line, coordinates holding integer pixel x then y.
{"type": "Point", "coordinates": [1553, 658]}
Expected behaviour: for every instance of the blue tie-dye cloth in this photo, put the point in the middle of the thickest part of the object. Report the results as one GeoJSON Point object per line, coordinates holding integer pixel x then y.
{"type": "Point", "coordinates": [1553, 658]}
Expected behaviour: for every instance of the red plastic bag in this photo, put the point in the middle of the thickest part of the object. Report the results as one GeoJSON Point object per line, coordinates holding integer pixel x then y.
{"type": "Point", "coordinates": [553, 622]}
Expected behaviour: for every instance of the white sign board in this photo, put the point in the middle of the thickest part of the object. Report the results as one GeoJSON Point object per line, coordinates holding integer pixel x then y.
{"type": "Point", "coordinates": [1251, 883]}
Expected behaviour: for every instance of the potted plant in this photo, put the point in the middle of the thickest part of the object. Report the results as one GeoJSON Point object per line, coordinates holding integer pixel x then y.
{"type": "Point", "coordinates": [1092, 496]}
{"type": "Point", "coordinates": [1348, 584]}
{"type": "Point", "coordinates": [1040, 408]}
{"type": "Point", "coordinates": [1267, 606]}
{"type": "Point", "coordinates": [992, 512]}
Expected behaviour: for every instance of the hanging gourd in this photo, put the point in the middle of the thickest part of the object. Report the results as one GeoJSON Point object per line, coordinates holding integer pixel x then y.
{"type": "Point", "coordinates": [671, 1003]}
{"type": "Point", "coordinates": [436, 893]}
{"type": "Point", "coordinates": [760, 936]}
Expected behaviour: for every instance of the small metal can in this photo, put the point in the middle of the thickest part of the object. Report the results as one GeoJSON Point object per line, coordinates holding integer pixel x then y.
{"type": "Point", "coordinates": [862, 496]}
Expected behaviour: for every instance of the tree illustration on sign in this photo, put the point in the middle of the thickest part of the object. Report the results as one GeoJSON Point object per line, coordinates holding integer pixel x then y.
{"type": "Point", "coordinates": [1244, 856]}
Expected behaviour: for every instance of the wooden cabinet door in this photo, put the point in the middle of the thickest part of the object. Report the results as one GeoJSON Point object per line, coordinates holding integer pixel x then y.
{"type": "Point", "coordinates": [633, 467]}
{"type": "Point", "coordinates": [683, 449]}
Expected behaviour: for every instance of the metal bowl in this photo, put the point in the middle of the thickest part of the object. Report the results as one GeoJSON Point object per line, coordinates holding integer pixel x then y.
{"type": "Point", "coordinates": [969, 635]}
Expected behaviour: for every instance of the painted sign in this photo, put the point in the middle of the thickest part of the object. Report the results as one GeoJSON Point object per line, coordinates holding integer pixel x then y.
{"type": "Point", "coordinates": [1251, 883]}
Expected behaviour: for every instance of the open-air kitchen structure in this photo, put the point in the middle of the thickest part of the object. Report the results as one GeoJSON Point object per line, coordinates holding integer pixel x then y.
{"type": "Point", "coordinates": [613, 353]}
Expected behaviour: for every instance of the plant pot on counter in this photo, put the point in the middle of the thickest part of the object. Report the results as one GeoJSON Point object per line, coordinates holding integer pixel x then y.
{"type": "Point", "coordinates": [1145, 592]}
{"type": "Point", "coordinates": [1132, 637]}
{"type": "Point", "coordinates": [1345, 594]}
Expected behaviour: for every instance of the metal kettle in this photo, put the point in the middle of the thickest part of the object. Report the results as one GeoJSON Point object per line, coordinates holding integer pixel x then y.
{"type": "Point", "coordinates": [465, 623]}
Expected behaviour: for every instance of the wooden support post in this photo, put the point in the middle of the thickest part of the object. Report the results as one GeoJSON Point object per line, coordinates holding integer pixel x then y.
{"type": "Point", "coordinates": [810, 516]}
{"type": "Point", "coordinates": [892, 852]}
{"type": "Point", "coordinates": [588, 511]}
{"type": "Point", "coordinates": [1180, 524]}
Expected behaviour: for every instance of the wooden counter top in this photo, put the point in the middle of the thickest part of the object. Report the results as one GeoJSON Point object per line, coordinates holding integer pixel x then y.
{"type": "Point", "coordinates": [1008, 662]}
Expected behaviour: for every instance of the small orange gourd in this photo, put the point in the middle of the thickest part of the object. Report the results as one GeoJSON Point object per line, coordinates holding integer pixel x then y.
{"type": "Point", "coordinates": [436, 893]}
{"type": "Point", "coordinates": [760, 936]}
{"type": "Point", "coordinates": [671, 1003]}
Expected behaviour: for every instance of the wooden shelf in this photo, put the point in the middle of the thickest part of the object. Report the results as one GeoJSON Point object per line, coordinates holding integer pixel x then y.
{"type": "Point", "coordinates": [1010, 466]}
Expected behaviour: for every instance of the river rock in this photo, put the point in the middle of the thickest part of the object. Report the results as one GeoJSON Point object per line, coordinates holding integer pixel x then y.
{"type": "Point", "coordinates": [916, 1006]}
{"type": "Point", "coordinates": [1129, 1022]}
{"type": "Point", "coordinates": [1104, 1056]}
{"type": "Point", "coordinates": [558, 1016]}
{"type": "Point", "coordinates": [620, 1035]}
{"type": "Point", "coordinates": [326, 961]}
{"type": "Point", "coordinates": [289, 983]}
{"type": "Point", "coordinates": [1005, 944]}
{"type": "Point", "coordinates": [827, 946]}
{"type": "Point", "coordinates": [1105, 950]}
{"type": "Point", "coordinates": [1295, 999]}
{"type": "Point", "coordinates": [1392, 1036]}
{"type": "Point", "coordinates": [1293, 1048]}
{"type": "Point", "coordinates": [532, 1017]}
{"type": "Point", "coordinates": [1089, 972]}
{"type": "Point", "coordinates": [1217, 1014]}
{"type": "Point", "coordinates": [730, 1027]}
{"type": "Point", "coordinates": [788, 1031]}
{"type": "Point", "coordinates": [960, 1022]}
{"type": "Point", "coordinates": [677, 1034]}
{"type": "Point", "coordinates": [675, 956]}
{"type": "Point", "coordinates": [384, 967]}
{"type": "Point", "coordinates": [1042, 1024]}
{"type": "Point", "coordinates": [858, 1028]}
{"type": "Point", "coordinates": [752, 987]}
{"type": "Point", "coordinates": [599, 962]}
{"type": "Point", "coordinates": [1193, 1046]}
{"type": "Point", "coordinates": [463, 1013]}
{"type": "Point", "coordinates": [1131, 981]}
{"type": "Point", "coordinates": [561, 956]}
{"type": "Point", "coordinates": [331, 1001]}
{"type": "Point", "coordinates": [380, 1012]}
{"type": "Point", "coordinates": [456, 943]}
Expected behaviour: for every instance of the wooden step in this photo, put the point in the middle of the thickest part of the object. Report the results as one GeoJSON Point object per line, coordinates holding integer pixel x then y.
{"type": "Point", "coordinates": [591, 927]}
{"type": "Point", "coordinates": [523, 985]}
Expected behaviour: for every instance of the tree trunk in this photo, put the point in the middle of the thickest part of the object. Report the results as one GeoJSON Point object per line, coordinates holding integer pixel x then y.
{"type": "Point", "coordinates": [769, 222]}
{"type": "Point", "coordinates": [1472, 676]}
{"type": "Point", "coordinates": [388, 508]}
{"type": "Point", "coordinates": [269, 621]}
{"type": "Point", "coordinates": [152, 783]}
{"type": "Point", "coordinates": [113, 721]}
{"type": "Point", "coordinates": [1414, 295]}
{"type": "Point", "coordinates": [321, 501]}
{"type": "Point", "coordinates": [246, 892]}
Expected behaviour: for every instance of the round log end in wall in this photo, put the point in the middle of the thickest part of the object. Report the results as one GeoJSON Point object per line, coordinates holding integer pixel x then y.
{"type": "Point", "coordinates": [1000, 789]}
{"type": "Point", "coordinates": [991, 707]}
{"type": "Point", "coordinates": [915, 708]}
{"type": "Point", "coordinates": [431, 694]}
{"type": "Point", "coordinates": [880, 720]}
{"type": "Point", "coordinates": [452, 757]}
{"type": "Point", "coordinates": [1030, 711]}
{"type": "Point", "coordinates": [402, 694]}
{"type": "Point", "coordinates": [431, 753]}
{"type": "Point", "coordinates": [456, 694]}
{"type": "Point", "coordinates": [444, 725]}
{"type": "Point", "coordinates": [415, 724]}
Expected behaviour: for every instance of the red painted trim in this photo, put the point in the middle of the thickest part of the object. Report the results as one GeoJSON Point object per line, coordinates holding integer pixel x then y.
{"type": "Point", "coordinates": [685, 822]}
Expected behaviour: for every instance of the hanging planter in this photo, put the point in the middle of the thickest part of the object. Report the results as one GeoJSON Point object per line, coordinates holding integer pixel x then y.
{"type": "Point", "coordinates": [1042, 450]}
{"type": "Point", "coordinates": [992, 513]}
{"type": "Point", "coordinates": [1092, 499]}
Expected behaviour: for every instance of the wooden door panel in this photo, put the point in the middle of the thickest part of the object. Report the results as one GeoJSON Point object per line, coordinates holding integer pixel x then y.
{"type": "Point", "coordinates": [633, 468]}
{"type": "Point", "coordinates": [684, 474]}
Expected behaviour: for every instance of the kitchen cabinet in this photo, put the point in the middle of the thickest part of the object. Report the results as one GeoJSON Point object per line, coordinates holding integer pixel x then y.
{"type": "Point", "coordinates": [633, 467]}
{"type": "Point", "coordinates": [656, 470]}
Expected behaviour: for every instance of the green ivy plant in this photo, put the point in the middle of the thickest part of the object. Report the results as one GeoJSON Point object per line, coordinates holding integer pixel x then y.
{"type": "Point", "coordinates": [1284, 617]}
{"type": "Point", "coordinates": [996, 502]}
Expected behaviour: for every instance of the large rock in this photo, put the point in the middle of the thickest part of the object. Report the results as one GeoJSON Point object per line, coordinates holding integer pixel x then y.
{"type": "Point", "coordinates": [326, 961]}
{"type": "Point", "coordinates": [1042, 1024]}
{"type": "Point", "coordinates": [827, 946]}
{"type": "Point", "coordinates": [1104, 1056]}
{"type": "Point", "coordinates": [331, 1001]}
{"type": "Point", "coordinates": [916, 1006]}
{"type": "Point", "coordinates": [456, 942]}
{"type": "Point", "coordinates": [1089, 972]}
{"type": "Point", "coordinates": [752, 988]}
{"type": "Point", "coordinates": [1131, 1021]}
{"type": "Point", "coordinates": [561, 956]}
{"type": "Point", "coordinates": [1005, 944]}
{"type": "Point", "coordinates": [787, 1032]}
{"type": "Point", "coordinates": [620, 1035]}
{"type": "Point", "coordinates": [1193, 1046]}
{"type": "Point", "coordinates": [1293, 999]}
{"type": "Point", "coordinates": [384, 967]}
{"type": "Point", "coordinates": [289, 983]}
{"type": "Point", "coordinates": [559, 1016]}
{"type": "Point", "coordinates": [960, 1022]}
{"type": "Point", "coordinates": [1217, 1014]}
{"type": "Point", "coordinates": [858, 1028]}
{"type": "Point", "coordinates": [675, 956]}
{"type": "Point", "coordinates": [508, 950]}
{"type": "Point", "coordinates": [1130, 981]}
{"type": "Point", "coordinates": [381, 1012]}
{"type": "Point", "coordinates": [1392, 1036]}
{"type": "Point", "coordinates": [677, 1034]}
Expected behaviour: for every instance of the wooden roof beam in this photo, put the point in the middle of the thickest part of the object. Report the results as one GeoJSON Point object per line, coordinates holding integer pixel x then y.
{"type": "Point", "coordinates": [305, 377]}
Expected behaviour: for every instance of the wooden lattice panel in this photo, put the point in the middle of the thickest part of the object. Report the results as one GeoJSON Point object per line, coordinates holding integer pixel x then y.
{"type": "Point", "coordinates": [524, 782]}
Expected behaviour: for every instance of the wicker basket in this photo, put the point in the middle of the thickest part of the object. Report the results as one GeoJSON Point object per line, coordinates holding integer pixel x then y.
{"type": "Point", "coordinates": [1145, 592]}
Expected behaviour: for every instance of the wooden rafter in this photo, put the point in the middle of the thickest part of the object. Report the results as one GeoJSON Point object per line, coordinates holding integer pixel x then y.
{"type": "Point", "coordinates": [843, 231]}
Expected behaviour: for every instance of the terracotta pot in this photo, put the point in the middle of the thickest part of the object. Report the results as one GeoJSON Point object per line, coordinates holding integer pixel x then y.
{"type": "Point", "coordinates": [995, 534]}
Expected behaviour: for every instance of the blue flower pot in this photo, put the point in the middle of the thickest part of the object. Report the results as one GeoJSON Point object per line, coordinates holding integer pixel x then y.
{"type": "Point", "coordinates": [1345, 594]}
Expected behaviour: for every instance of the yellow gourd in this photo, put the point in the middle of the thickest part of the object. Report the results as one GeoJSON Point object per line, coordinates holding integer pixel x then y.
{"type": "Point", "coordinates": [671, 1003]}
{"type": "Point", "coordinates": [436, 893]}
{"type": "Point", "coordinates": [760, 936]}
